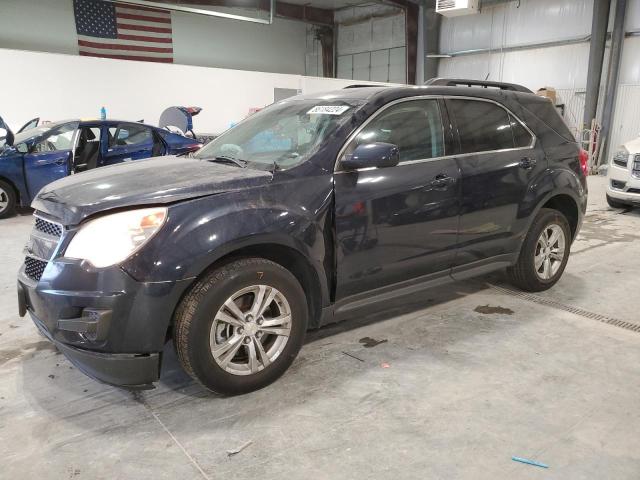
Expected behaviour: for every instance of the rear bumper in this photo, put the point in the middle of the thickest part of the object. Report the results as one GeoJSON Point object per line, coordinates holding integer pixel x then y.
{"type": "Point", "coordinates": [112, 327]}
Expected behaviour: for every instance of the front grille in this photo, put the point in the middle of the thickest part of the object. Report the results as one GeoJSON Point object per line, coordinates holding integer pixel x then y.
{"type": "Point", "coordinates": [636, 165]}
{"type": "Point", "coordinates": [633, 190]}
{"type": "Point", "coordinates": [47, 227]}
{"type": "Point", "coordinates": [43, 243]}
{"type": "Point", "coordinates": [34, 268]}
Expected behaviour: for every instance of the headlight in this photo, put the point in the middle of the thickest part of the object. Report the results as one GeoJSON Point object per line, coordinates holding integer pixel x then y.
{"type": "Point", "coordinates": [620, 158]}
{"type": "Point", "coordinates": [111, 239]}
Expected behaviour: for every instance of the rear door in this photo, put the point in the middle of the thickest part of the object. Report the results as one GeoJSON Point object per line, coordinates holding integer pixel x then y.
{"type": "Point", "coordinates": [49, 158]}
{"type": "Point", "coordinates": [128, 141]}
{"type": "Point", "coordinates": [498, 159]}
{"type": "Point", "coordinates": [397, 223]}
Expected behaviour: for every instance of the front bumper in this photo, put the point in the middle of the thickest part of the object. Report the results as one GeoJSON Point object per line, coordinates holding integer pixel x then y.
{"type": "Point", "coordinates": [622, 185]}
{"type": "Point", "coordinates": [112, 327]}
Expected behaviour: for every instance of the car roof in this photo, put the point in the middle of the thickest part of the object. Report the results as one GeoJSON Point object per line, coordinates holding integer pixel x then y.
{"type": "Point", "coordinates": [111, 121]}
{"type": "Point", "coordinates": [384, 94]}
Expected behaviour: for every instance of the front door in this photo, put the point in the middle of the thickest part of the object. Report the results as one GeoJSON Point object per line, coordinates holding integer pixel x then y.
{"type": "Point", "coordinates": [398, 223]}
{"type": "Point", "coordinates": [128, 141]}
{"type": "Point", "coordinates": [33, 123]}
{"type": "Point", "coordinates": [498, 159]}
{"type": "Point", "coordinates": [49, 158]}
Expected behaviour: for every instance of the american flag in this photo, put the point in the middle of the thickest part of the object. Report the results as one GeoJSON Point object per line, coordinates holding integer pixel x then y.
{"type": "Point", "coordinates": [119, 30]}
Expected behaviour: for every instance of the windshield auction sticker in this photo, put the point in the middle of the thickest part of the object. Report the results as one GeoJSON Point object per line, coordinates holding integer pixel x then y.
{"type": "Point", "coordinates": [329, 109]}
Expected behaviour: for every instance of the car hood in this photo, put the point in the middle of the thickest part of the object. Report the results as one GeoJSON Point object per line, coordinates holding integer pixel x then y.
{"type": "Point", "coordinates": [632, 146]}
{"type": "Point", "coordinates": [154, 181]}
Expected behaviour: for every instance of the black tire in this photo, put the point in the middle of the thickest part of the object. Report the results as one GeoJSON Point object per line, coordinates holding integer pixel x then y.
{"type": "Point", "coordinates": [194, 319]}
{"type": "Point", "coordinates": [615, 203]}
{"type": "Point", "coordinates": [8, 195]}
{"type": "Point", "coordinates": [523, 274]}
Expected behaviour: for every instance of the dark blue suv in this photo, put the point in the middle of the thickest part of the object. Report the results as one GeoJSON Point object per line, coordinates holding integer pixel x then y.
{"type": "Point", "coordinates": [306, 211]}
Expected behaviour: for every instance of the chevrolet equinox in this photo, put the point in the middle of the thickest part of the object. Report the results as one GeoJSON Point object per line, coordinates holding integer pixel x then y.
{"type": "Point", "coordinates": [304, 212]}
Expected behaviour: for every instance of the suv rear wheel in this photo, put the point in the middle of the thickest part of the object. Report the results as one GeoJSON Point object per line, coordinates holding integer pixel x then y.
{"type": "Point", "coordinates": [241, 326]}
{"type": "Point", "coordinates": [7, 200]}
{"type": "Point", "coordinates": [544, 253]}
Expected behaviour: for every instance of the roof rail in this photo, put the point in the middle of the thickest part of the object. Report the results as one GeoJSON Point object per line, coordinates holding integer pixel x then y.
{"type": "Point", "coordinates": [361, 85]}
{"type": "Point", "coordinates": [454, 82]}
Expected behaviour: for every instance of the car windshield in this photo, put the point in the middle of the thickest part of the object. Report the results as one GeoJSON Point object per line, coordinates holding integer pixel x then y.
{"type": "Point", "coordinates": [33, 132]}
{"type": "Point", "coordinates": [280, 136]}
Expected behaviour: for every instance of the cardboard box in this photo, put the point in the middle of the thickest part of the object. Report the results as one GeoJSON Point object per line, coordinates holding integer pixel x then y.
{"type": "Point", "coordinates": [548, 92]}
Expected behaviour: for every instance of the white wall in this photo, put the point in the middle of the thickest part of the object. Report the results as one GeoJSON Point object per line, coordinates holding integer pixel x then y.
{"type": "Point", "coordinates": [49, 26]}
{"type": "Point", "coordinates": [57, 86]}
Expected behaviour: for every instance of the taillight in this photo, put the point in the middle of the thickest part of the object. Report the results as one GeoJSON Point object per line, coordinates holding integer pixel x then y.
{"type": "Point", "coordinates": [584, 161]}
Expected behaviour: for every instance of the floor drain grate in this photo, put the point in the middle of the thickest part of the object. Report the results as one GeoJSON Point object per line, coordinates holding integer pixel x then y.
{"type": "Point", "coordinates": [634, 327]}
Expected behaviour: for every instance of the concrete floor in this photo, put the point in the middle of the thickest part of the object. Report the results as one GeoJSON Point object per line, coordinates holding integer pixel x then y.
{"type": "Point", "coordinates": [450, 393]}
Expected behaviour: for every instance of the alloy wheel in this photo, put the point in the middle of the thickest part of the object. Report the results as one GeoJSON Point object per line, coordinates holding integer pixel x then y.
{"type": "Point", "coordinates": [250, 330]}
{"type": "Point", "coordinates": [549, 251]}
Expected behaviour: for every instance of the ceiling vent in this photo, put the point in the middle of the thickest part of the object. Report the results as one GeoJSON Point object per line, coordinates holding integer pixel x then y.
{"type": "Point", "coordinates": [456, 8]}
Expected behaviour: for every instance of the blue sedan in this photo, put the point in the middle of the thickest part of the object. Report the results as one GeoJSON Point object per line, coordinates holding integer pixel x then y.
{"type": "Point", "coordinates": [37, 156]}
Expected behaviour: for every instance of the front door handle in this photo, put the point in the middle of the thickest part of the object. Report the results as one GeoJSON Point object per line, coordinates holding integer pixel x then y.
{"type": "Point", "coordinates": [442, 181]}
{"type": "Point", "coordinates": [60, 161]}
{"type": "Point", "coordinates": [527, 163]}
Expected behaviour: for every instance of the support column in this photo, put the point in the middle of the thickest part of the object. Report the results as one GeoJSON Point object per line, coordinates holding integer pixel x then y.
{"type": "Point", "coordinates": [431, 39]}
{"type": "Point", "coordinates": [617, 40]}
{"type": "Point", "coordinates": [599, 24]}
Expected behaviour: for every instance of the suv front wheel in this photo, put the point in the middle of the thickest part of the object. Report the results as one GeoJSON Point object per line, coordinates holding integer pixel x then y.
{"type": "Point", "coordinates": [241, 326]}
{"type": "Point", "coordinates": [544, 253]}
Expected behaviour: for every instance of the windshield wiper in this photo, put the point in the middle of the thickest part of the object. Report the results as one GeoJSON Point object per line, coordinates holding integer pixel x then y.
{"type": "Point", "coordinates": [226, 159]}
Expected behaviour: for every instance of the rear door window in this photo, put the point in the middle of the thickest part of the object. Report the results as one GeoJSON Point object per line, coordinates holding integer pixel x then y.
{"type": "Point", "coordinates": [129, 134]}
{"type": "Point", "coordinates": [482, 126]}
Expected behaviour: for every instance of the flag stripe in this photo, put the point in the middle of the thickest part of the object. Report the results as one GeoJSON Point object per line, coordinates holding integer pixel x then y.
{"type": "Point", "coordinates": [107, 51]}
{"type": "Point", "coordinates": [141, 7]}
{"type": "Point", "coordinates": [128, 16]}
{"type": "Point", "coordinates": [142, 28]}
{"type": "Point", "coordinates": [144, 38]}
{"type": "Point", "coordinates": [152, 42]}
{"type": "Point", "coordinates": [125, 46]}
{"type": "Point", "coordinates": [134, 11]}
{"type": "Point", "coordinates": [127, 57]}
{"type": "Point", "coordinates": [143, 23]}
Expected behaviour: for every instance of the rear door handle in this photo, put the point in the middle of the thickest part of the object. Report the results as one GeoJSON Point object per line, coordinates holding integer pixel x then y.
{"type": "Point", "coordinates": [527, 163]}
{"type": "Point", "coordinates": [442, 181]}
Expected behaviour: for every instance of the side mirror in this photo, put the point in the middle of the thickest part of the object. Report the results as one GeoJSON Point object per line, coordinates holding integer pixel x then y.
{"type": "Point", "coordinates": [377, 154]}
{"type": "Point", "coordinates": [22, 148]}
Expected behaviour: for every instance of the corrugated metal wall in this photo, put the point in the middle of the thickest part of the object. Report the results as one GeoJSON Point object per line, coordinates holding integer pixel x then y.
{"type": "Point", "coordinates": [372, 44]}
{"type": "Point", "coordinates": [563, 67]}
